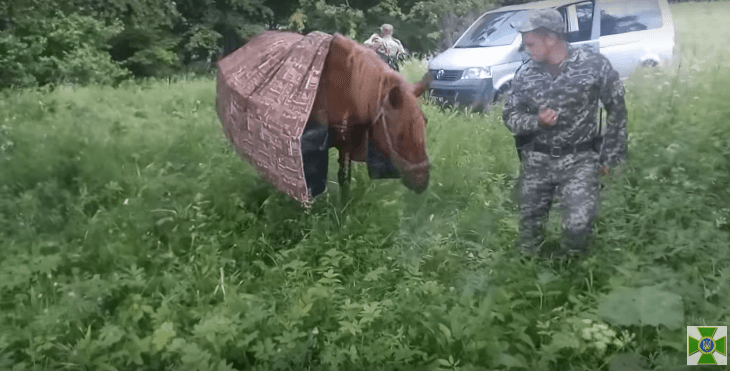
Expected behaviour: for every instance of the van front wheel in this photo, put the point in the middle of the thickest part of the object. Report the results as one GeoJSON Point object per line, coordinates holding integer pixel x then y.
{"type": "Point", "coordinates": [649, 63]}
{"type": "Point", "coordinates": [501, 96]}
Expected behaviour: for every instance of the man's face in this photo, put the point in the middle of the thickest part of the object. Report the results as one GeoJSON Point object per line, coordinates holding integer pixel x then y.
{"type": "Point", "coordinates": [537, 46]}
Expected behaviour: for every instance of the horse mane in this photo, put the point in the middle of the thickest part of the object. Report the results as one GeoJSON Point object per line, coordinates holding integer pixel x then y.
{"type": "Point", "coordinates": [367, 67]}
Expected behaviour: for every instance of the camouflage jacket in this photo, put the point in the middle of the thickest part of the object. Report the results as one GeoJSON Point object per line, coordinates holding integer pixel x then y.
{"type": "Point", "coordinates": [388, 45]}
{"type": "Point", "coordinates": [584, 78]}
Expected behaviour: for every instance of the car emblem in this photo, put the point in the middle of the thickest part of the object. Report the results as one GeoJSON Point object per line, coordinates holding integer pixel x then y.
{"type": "Point", "coordinates": [439, 74]}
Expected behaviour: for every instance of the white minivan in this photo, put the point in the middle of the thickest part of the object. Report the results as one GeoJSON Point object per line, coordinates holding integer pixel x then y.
{"type": "Point", "coordinates": [478, 68]}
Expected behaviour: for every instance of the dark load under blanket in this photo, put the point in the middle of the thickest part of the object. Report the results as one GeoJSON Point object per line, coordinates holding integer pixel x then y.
{"type": "Point", "coordinates": [315, 144]}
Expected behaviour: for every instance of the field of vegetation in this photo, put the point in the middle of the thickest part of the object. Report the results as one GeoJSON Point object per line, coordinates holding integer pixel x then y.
{"type": "Point", "coordinates": [133, 238]}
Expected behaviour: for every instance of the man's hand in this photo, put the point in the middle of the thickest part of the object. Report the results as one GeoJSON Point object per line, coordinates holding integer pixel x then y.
{"type": "Point", "coordinates": [547, 117]}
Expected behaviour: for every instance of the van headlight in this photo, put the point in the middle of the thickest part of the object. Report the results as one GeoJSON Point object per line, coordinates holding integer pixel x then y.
{"type": "Point", "coordinates": [477, 73]}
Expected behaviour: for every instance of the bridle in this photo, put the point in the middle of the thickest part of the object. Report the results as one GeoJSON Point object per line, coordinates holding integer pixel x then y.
{"type": "Point", "coordinates": [391, 150]}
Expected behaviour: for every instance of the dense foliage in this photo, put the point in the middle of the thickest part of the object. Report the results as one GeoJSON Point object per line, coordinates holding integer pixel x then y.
{"type": "Point", "coordinates": [90, 41]}
{"type": "Point", "coordinates": [133, 238]}
{"type": "Point", "coordinates": [103, 41]}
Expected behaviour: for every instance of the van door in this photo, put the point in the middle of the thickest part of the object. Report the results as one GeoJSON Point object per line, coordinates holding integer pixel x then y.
{"type": "Point", "coordinates": [627, 32]}
{"type": "Point", "coordinates": [580, 22]}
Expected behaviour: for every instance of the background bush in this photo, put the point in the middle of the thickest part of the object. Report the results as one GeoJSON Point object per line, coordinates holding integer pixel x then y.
{"type": "Point", "coordinates": [89, 41]}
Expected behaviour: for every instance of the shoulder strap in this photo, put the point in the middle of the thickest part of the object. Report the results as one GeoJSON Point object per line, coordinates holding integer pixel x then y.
{"type": "Point", "coordinates": [522, 65]}
{"type": "Point", "coordinates": [600, 120]}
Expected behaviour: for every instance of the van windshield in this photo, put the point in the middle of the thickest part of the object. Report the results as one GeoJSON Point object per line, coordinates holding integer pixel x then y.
{"type": "Point", "coordinates": [494, 29]}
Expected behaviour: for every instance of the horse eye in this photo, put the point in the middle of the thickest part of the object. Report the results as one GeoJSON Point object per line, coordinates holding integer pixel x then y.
{"type": "Point", "coordinates": [401, 137]}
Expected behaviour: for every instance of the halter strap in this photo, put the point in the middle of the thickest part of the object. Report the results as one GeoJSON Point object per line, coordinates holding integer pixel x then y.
{"type": "Point", "coordinates": [407, 165]}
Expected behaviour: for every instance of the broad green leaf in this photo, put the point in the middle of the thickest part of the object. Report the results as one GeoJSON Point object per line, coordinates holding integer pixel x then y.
{"type": "Point", "coordinates": [109, 335]}
{"type": "Point", "coordinates": [14, 276]}
{"type": "Point", "coordinates": [163, 335]}
{"type": "Point", "coordinates": [247, 339]}
{"type": "Point", "coordinates": [294, 264]}
{"type": "Point", "coordinates": [563, 340]}
{"type": "Point", "coordinates": [525, 338]}
{"type": "Point", "coordinates": [619, 308]}
{"type": "Point", "coordinates": [164, 220]}
{"type": "Point", "coordinates": [265, 349]}
{"type": "Point", "coordinates": [351, 327]}
{"type": "Point", "coordinates": [643, 306]}
{"type": "Point", "coordinates": [47, 263]}
{"type": "Point", "coordinates": [224, 366]}
{"type": "Point", "coordinates": [375, 274]}
{"type": "Point", "coordinates": [193, 357]}
{"type": "Point", "coordinates": [626, 362]}
{"type": "Point", "coordinates": [444, 362]}
{"type": "Point", "coordinates": [546, 277]}
{"type": "Point", "coordinates": [658, 307]}
{"type": "Point", "coordinates": [177, 344]}
{"type": "Point", "coordinates": [512, 361]}
{"type": "Point", "coordinates": [445, 330]}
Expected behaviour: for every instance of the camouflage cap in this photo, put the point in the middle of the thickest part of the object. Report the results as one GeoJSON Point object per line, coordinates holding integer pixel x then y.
{"type": "Point", "coordinates": [548, 18]}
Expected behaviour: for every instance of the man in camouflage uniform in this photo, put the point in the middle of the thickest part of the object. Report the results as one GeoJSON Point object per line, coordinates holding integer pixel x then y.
{"type": "Point", "coordinates": [553, 106]}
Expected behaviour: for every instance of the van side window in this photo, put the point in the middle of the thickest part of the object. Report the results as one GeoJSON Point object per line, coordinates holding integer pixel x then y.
{"type": "Point", "coordinates": [585, 20]}
{"type": "Point", "coordinates": [579, 18]}
{"type": "Point", "coordinates": [618, 17]}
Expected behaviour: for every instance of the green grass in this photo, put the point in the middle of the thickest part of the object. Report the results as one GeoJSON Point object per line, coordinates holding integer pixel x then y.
{"type": "Point", "coordinates": [700, 28]}
{"type": "Point", "coordinates": [133, 238]}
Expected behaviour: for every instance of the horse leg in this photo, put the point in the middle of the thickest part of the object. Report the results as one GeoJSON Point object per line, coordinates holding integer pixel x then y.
{"type": "Point", "coordinates": [343, 176]}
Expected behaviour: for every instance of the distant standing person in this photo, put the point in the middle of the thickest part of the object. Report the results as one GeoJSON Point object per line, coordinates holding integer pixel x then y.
{"type": "Point", "coordinates": [385, 43]}
{"type": "Point", "coordinates": [553, 106]}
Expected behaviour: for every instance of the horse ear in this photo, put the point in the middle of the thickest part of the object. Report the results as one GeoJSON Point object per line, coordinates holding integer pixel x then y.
{"type": "Point", "coordinates": [420, 87]}
{"type": "Point", "coordinates": [395, 96]}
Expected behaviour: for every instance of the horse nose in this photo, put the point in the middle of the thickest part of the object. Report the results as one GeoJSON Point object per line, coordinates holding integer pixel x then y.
{"type": "Point", "coordinates": [416, 181]}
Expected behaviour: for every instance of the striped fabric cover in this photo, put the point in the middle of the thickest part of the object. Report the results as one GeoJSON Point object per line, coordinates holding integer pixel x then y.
{"type": "Point", "coordinates": [266, 90]}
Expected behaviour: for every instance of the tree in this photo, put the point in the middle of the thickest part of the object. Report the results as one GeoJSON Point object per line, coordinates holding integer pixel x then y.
{"type": "Point", "coordinates": [423, 26]}
{"type": "Point", "coordinates": [44, 41]}
{"type": "Point", "coordinates": [443, 21]}
{"type": "Point", "coordinates": [282, 11]}
{"type": "Point", "coordinates": [147, 46]}
{"type": "Point", "coordinates": [320, 16]}
{"type": "Point", "coordinates": [212, 28]}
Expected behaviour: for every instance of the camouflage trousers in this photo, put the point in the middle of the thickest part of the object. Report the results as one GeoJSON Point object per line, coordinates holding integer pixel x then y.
{"type": "Point", "coordinates": [573, 180]}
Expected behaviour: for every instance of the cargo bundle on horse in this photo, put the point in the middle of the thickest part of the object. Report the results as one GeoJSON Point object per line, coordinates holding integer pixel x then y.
{"type": "Point", "coordinates": [284, 99]}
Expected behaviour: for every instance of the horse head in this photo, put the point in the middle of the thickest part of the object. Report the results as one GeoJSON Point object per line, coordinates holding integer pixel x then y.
{"type": "Point", "coordinates": [399, 129]}
{"type": "Point", "coordinates": [358, 85]}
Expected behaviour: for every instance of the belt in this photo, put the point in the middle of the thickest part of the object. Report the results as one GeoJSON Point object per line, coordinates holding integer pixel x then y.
{"type": "Point", "coordinates": [557, 151]}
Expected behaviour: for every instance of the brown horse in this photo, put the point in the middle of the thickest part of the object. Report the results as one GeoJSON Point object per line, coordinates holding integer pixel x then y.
{"type": "Point", "coordinates": [361, 98]}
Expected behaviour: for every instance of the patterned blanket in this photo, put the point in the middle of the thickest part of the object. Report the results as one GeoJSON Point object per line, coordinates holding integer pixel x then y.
{"type": "Point", "coordinates": [266, 90]}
